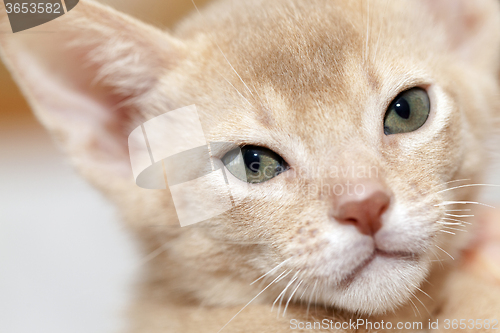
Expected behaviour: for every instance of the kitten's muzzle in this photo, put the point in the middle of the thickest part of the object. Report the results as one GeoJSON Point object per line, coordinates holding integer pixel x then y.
{"type": "Point", "coordinates": [401, 256]}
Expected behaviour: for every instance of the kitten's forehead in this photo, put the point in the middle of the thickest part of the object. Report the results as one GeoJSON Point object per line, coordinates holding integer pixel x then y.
{"type": "Point", "coordinates": [309, 61]}
{"type": "Point", "coordinates": [301, 50]}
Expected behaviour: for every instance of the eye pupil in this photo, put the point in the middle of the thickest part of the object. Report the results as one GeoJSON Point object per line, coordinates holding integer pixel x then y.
{"type": "Point", "coordinates": [408, 112]}
{"type": "Point", "coordinates": [252, 160]}
{"type": "Point", "coordinates": [254, 164]}
{"type": "Point", "coordinates": [402, 108]}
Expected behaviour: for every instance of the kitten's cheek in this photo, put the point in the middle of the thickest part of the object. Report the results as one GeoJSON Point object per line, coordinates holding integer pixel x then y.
{"type": "Point", "coordinates": [491, 257]}
{"type": "Point", "coordinates": [484, 262]}
{"type": "Point", "coordinates": [483, 257]}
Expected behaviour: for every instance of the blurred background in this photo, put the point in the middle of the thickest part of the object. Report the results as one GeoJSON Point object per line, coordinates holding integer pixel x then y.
{"type": "Point", "coordinates": [65, 261]}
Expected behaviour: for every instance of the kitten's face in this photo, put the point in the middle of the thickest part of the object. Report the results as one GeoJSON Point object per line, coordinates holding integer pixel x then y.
{"type": "Point", "coordinates": [316, 87]}
{"type": "Point", "coordinates": [369, 110]}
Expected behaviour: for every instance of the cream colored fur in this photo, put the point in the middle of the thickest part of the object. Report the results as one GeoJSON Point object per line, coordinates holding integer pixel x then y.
{"type": "Point", "coordinates": [312, 81]}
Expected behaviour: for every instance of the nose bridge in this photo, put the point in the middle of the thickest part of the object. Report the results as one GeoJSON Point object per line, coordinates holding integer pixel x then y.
{"type": "Point", "coordinates": [350, 169]}
{"type": "Point", "coordinates": [360, 158]}
{"type": "Point", "coordinates": [357, 192]}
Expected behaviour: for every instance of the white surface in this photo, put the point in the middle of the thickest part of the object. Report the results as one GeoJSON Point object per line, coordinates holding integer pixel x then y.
{"type": "Point", "coordinates": [65, 262]}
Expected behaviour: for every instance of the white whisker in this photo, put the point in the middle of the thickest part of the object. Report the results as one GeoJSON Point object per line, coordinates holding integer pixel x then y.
{"type": "Point", "coordinates": [454, 215]}
{"type": "Point", "coordinates": [456, 181]}
{"type": "Point", "coordinates": [227, 60]}
{"type": "Point", "coordinates": [282, 294]}
{"type": "Point", "coordinates": [438, 259]}
{"type": "Point", "coordinates": [415, 308]}
{"type": "Point", "coordinates": [423, 292]}
{"type": "Point", "coordinates": [418, 299]}
{"type": "Point", "coordinates": [289, 298]}
{"type": "Point", "coordinates": [446, 183]}
{"type": "Point", "coordinates": [455, 220]}
{"type": "Point", "coordinates": [271, 271]}
{"type": "Point", "coordinates": [445, 203]}
{"type": "Point", "coordinates": [376, 44]}
{"type": "Point", "coordinates": [284, 276]}
{"type": "Point", "coordinates": [379, 33]}
{"type": "Point", "coordinates": [239, 93]}
{"type": "Point", "coordinates": [449, 223]}
{"type": "Point", "coordinates": [455, 229]}
{"type": "Point", "coordinates": [249, 302]}
{"type": "Point", "coordinates": [445, 252]}
{"type": "Point", "coordinates": [468, 185]}
{"type": "Point", "coordinates": [234, 70]}
{"type": "Point", "coordinates": [310, 298]}
{"type": "Point", "coordinates": [367, 51]}
{"type": "Point", "coordinates": [305, 289]}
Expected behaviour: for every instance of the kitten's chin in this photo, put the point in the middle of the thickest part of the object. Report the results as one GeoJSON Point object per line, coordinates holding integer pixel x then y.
{"type": "Point", "coordinates": [381, 285]}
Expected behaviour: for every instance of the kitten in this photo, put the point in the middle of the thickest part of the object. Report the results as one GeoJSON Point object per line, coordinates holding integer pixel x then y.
{"type": "Point", "coordinates": [393, 99]}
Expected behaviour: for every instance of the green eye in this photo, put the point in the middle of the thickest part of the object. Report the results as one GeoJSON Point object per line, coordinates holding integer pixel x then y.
{"type": "Point", "coordinates": [408, 112]}
{"type": "Point", "coordinates": [260, 164]}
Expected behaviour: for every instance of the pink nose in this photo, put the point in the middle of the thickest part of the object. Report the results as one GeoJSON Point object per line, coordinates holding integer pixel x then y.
{"type": "Point", "coordinates": [364, 211]}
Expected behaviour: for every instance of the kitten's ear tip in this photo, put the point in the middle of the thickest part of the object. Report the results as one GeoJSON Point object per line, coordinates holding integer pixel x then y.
{"type": "Point", "coordinates": [85, 73]}
{"type": "Point", "coordinates": [466, 15]}
{"type": "Point", "coordinates": [469, 25]}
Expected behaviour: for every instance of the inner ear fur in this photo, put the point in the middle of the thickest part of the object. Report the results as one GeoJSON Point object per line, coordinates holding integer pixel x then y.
{"type": "Point", "coordinates": [84, 75]}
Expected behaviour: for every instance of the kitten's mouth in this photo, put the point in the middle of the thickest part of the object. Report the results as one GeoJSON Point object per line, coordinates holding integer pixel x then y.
{"type": "Point", "coordinates": [377, 253]}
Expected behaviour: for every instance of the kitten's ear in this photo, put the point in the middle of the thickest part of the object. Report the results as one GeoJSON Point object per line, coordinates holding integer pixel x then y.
{"type": "Point", "coordinates": [85, 75]}
{"type": "Point", "coordinates": [472, 27]}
